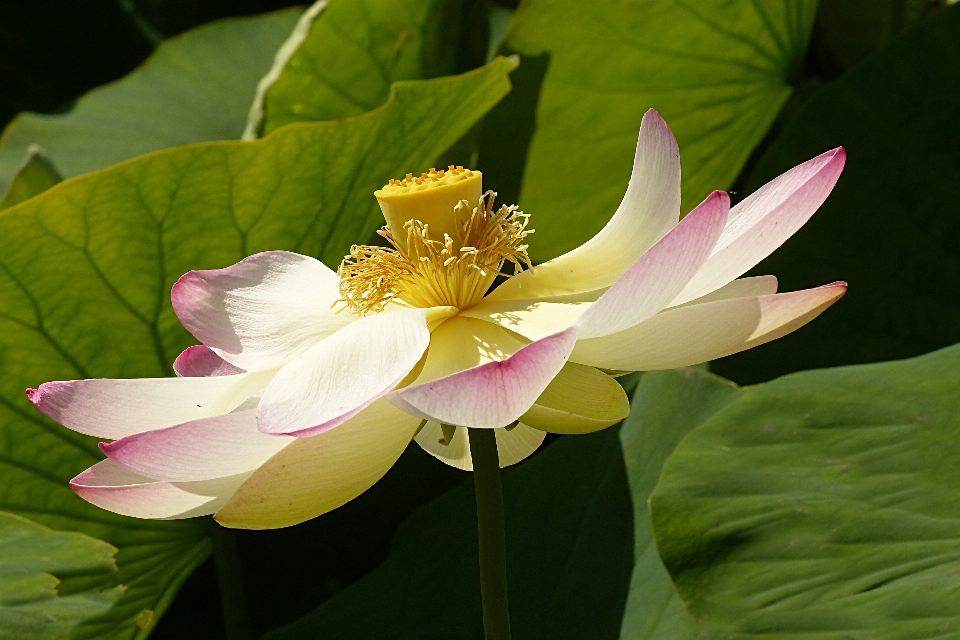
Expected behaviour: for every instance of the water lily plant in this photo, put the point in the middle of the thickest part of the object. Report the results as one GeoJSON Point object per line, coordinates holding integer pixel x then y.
{"type": "Point", "coordinates": [310, 383]}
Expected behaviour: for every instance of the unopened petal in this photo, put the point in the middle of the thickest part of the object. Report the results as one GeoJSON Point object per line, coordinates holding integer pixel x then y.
{"type": "Point", "coordinates": [490, 395]}
{"type": "Point", "coordinates": [513, 445]}
{"type": "Point", "coordinates": [200, 450]}
{"type": "Point", "coordinates": [764, 221]}
{"type": "Point", "coordinates": [650, 208]}
{"type": "Point", "coordinates": [344, 374]}
{"type": "Point", "coordinates": [579, 399]}
{"type": "Point", "coordinates": [695, 333]}
{"type": "Point", "coordinates": [264, 310]}
{"type": "Point", "coordinates": [111, 487]}
{"type": "Point", "coordinates": [660, 273]}
{"type": "Point", "coordinates": [314, 475]}
{"type": "Point", "coordinates": [116, 408]}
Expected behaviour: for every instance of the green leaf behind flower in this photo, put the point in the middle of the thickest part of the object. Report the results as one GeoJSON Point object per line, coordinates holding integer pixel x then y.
{"type": "Point", "coordinates": [35, 175]}
{"type": "Point", "coordinates": [197, 86]}
{"type": "Point", "coordinates": [718, 72]}
{"type": "Point", "coordinates": [51, 581]}
{"type": "Point", "coordinates": [823, 504]}
{"type": "Point", "coordinates": [891, 228]}
{"type": "Point", "coordinates": [354, 50]}
{"type": "Point", "coordinates": [86, 269]}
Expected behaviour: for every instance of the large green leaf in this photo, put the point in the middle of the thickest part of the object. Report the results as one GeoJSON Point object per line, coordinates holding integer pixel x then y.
{"type": "Point", "coordinates": [717, 71]}
{"type": "Point", "coordinates": [50, 581]}
{"type": "Point", "coordinates": [569, 553]}
{"type": "Point", "coordinates": [666, 406]}
{"type": "Point", "coordinates": [197, 86]}
{"type": "Point", "coordinates": [354, 50]}
{"type": "Point", "coordinates": [35, 175]}
{"type": "Point", "coordinates": [891, 228]}
{"type": "Point", "coordinates": [825, 504]}
{"type": "Point", "coordinates": [86, 269]}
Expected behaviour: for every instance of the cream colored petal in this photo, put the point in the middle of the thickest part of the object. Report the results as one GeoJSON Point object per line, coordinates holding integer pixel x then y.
{"type": "Point", "coordinates": [580, 399]}
{"type": "Point", "coordinates": [314, 475]}
{"type": "Point", "coordinates": [512, 446]}
{"type": "Point", "coordinates": [650, 208]}
{"type": "Point", "coordinates": [533, 319]}
{"type": "Point", "coordinates": [687, 335]}
{"type": "Point", "coordinates": [741, 288]}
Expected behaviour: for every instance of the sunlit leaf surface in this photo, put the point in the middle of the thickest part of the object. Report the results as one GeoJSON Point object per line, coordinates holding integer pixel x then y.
{"type": "Point", "coordinates": [823, 504]}
{"type": "Point", "coordinates": [50, 581]}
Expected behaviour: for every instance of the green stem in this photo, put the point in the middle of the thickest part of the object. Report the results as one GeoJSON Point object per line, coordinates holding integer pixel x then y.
{"type": "Point", "coordinates": [234, 601]}
{"type": "Point", "coordinates": [490, 531]}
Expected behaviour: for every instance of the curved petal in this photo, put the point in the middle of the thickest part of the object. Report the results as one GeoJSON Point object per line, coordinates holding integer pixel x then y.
{"type": "Point", "coordinates": [660, 273]}
{"type": "Point", "coordinates": [740, 288]}
{"type": "Point", "coordinates": [650, 208]}
{"type": "Point", "coordinates": [262, 311]}
{"type": "Point", "coordinates": [200, 361]}
{"type": "Point", "coordinates": [210, 448]}
{"type": "Point", "coordinates": [111, 487]}
{"type": "Point", "coordinates": [493, 394]}
{"type": "Point", "coordinates": [339, 377]}
{"type": "Point", "coordinates": [315, 475]}
{"type": "Point", "coordinates": [580, 399]}
{"type": "Point", "coordinates": [513, 445]}
{"type": "Point", "coordinates": [764, 221]}
{"type": "Point", "coordinates": [696, 333]}
{"type": "Point", "coordinates": [113, 409]}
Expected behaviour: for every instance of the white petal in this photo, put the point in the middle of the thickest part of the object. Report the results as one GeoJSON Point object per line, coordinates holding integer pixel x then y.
{"type": "Point", "coordinates": [113, 409]}
{"type": "Point", "coordinates": [650, 208]}
{"type": "Point", "coordinates": [263, 311]}
{"type": "Point", "coordinates": [695, 333]}
{"type": "Point", "coordinates": [111, 487]}
{"type": "Point", "coordinates": [512, 446]}
{"type": "Point", "coordinates": [533, 319]}
{"type": "Point", "coordinates": [315, 475]}
{"type": "Point", "coordinates": [200, 361]}
{"type": "Point", "coordinates": [660, 273]}
{"type": "Point", "coordinates": [210, 448]}
{"type": "Point", "coordinates": [764, 221]}
{"type": "Point", "coordinates": [344, 374]}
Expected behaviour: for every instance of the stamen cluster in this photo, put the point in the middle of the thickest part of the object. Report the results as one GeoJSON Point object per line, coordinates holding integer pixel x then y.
{"type": "Point", "coordinates": [427, 271]}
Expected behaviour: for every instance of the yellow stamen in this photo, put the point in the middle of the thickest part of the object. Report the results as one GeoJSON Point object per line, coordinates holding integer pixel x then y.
{"type": "Point", "coordinates": [429, 269]}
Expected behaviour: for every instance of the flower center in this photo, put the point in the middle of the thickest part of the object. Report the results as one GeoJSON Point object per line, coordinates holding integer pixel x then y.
{"type": "Point", "coordinates": [444, 251]}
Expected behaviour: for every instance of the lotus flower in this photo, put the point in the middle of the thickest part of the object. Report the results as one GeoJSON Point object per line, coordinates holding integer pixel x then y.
{"type": "Point", "coordinates": [309, 384]}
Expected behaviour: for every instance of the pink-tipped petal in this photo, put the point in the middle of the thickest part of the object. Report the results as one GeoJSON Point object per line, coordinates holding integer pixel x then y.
{"type": "Point", "coordinates": [765, 220]}
{"type": "Point", "coordinates": [263, 311]}
{"type": "Point", "coordinates": [111, 487]}
{"type": "Point", "coordinates": [200, 361]}
{"type": "Point", "coordinates": [215, 447]}
{"type": "Point", "coordinates": [659, 274]}
{"type": "Point", "coordinates": [113, 409]}
{"type": "Point", "coordinates": [695, 333]}
{"type": "Point", "coordinates": [344, 374]}
{"type": "Point", "coordinates": [315, 475]}
{"type": "Point", "coordinates": [490, 395]}
{"type": "Point", "coordinates": [650, 208]}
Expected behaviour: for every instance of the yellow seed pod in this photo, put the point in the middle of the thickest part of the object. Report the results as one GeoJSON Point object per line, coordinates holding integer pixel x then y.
{"type": "Point", "coordinates": [430, 198]}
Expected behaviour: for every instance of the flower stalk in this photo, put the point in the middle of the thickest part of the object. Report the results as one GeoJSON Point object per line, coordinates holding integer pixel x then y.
{"type": "Point", "coordinates": [490, 532]}
{"type": "Point", "coordinates": [236, 619]}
